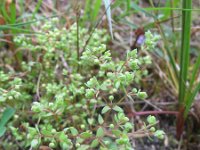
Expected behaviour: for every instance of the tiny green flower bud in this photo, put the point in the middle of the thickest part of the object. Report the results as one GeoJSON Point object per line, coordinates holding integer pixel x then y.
{"type": "Point", "coordinates": [126, 119]}
{"type": "Point", "coordinates": [151, 119]}
{"type": "Point", "coordinates": [107, 142]}
{"type": "Point", "coordinates": [93, 101]}
{"type": "Point", "coordinates": [114, 90]}
{"type": "Point", "coordinates": [29, 136]}
{"type": "Point", "coordinates": [16, 116]}
{"type": "Point", "coordinates": [133, 53]}
{"type": "Point", "coordinates": [53, 131]}
{"type": "Point", "coordinates": [96, 61]}
{"type": "Point", "coordinates": [120, 141]}
{"type": "Point", "coordinates": [111, 126]}
{"type": "Point", "coordinates": [134, 90]}
{"type": "Point", "coordinates": [52, 145]}
{"type": "Point", "coordinates": [50, 104]}
{"type": "Point", "coordinates": [78, 145]}
{"type": "Point", "coordinates": [152, 129]}
{"type": "Point", "coordinates": [84, 106]}
{"type": "Point", "coordinates": [109, 74]}
{"type": "Point", "coordinates": [159, 134]}
{"type": "Point", "coordinates": [82, 126]}
{"type": "Point", "coordinates": [90, 93]}
{"type": "Point", "coordinates": [111, 97]}
{"type": "Point", "coordinates": [128, 126]}
{"type": "Point", "coordinates": [17, 87]}
{"type": "Point", "coordinates": [142, 95]}
{"type": "Point", "coordinates": [10, 97]}
{"type": "Point", "coordinates": [133, 64]}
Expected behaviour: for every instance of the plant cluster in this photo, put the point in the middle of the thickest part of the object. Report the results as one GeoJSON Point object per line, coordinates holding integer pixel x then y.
{"type": "Point", "coordinates": [67, 97]}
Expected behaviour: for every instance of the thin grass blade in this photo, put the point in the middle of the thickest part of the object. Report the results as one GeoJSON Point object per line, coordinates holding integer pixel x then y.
{"type": "Point", "coordinates": [185, 49]}
{"type": "Point", "coordinates": [108, 13]}
{"type": "Point", "coordinates": [192, 93]}
{"type": "Point", "coordinates": [13, 13]}
{"type": "Point", "coordinates": [191, 99]}
{"type": "Point", "coordinates": [97, 6]}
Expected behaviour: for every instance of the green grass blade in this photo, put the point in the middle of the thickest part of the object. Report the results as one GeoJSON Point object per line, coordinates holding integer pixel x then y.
{"type": "Point", "coordinates": [194, 72]}
{"type": "Point", "coordinates": [7, 27]}
{"type": "Point", "coordinates": [169, 53]}
{"type": "Point", "coordinates": [17, 26]}
{"type": "Point", "coordinates": [5, 14]}
{"type": "Point", "coordinates": [190, 100]}
{"type": "Point", "coordinates": [87, 9]}
{"type": "Point", "coordinates": [185, 49]}
{"type": "Point", "coordinates": [192, 93]}
{"type": "Point", "coordinates": [169, 8]}
{"type": "Point", "coordinates": [30, 22]}
{"type": "Point", "coordinates": [97, 6]}
{"type": "Point", "coordinates": [166, 12]}
{"type": "Point", "coordinates": [107, 4]}
{"type": "Point", "coordinates": [128, 5]}
{"type": "Point", "coordinates": [137, 8]}
{"type": "Point", "coordinates": [12, 13]}
{"type": "Point", "coordinates": [39, 3]}
{"type": "Point", "coordinates": [130, 24]}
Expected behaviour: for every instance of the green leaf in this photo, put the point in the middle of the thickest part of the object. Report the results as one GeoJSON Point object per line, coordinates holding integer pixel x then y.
{"type": "Point", "coordinates": [118, 109]}
{"type": "Point", "coordinates": [90, 121]}
{"type": "Point", "coordinates": [63, 137]}
{"type": "Point", "coordinates": [117, 84]}
{"type": "Point", "coordinates": [100, 119]}
{"type": "Point", "coordinates": [74, 131]}
{"type": "Point", "coordinates": [100, 132]}
{"type": "Point", "coordinates": [86, 135]}
{"type": "Point", "coordinates": [2, 130]}
{"type": "Point", "coordinates": [83, 147]}
{"type": "Point", "coordinates": [94, 143]}
{"type": "Point", "coordinates": [105, 109]}
{"type": "Point", "coordinates": [7, 114]}
{"type": "Point", "coordinates": [46, 132]}
{"type": "Point", "coordinates": [117, 133]}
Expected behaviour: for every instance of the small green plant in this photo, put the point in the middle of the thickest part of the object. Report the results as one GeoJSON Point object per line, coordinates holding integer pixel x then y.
{"type": "Point", "coordinates": [70, 99]}
{"type": "Point", "coordinates": [7, 114]}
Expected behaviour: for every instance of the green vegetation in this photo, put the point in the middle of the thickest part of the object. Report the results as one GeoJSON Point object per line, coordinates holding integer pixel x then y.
{"type": "Point", "coordinates": [96, 74]}
{"type": "Point", "coordinates": [73, 97]}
